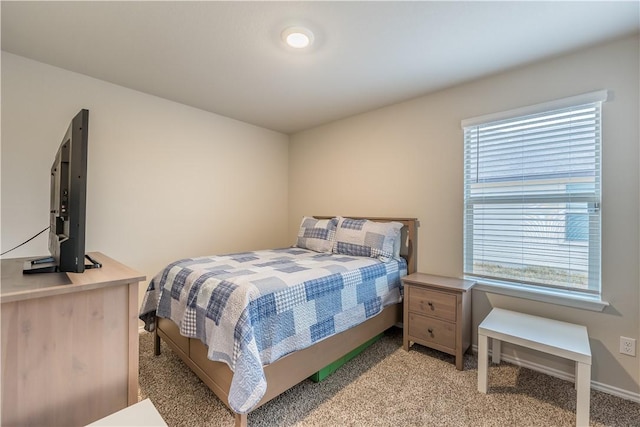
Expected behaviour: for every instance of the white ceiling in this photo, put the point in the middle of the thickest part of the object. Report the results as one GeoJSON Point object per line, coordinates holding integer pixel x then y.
{"type": "Point", "coordinates": [228, 58]}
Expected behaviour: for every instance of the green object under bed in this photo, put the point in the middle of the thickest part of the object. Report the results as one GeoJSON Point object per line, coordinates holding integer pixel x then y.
{"type": "Point", "coordinates": [332, 367]}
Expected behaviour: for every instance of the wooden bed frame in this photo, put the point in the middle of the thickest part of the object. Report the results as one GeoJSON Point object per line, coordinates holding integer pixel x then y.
{"type": "Point", "coordinates": [294, 367]}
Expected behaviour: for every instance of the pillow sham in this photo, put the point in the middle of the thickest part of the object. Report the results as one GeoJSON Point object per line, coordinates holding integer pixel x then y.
{"type": "Point", "coordinates": [317, 234]}
{"type": "Point", "coordinates": [363, 237]}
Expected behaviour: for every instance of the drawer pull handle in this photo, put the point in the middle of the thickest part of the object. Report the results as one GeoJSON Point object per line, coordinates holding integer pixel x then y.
{"type": "Point", "coordinates": [430, 304]}
{"type": "Point", "coordinates": [430, 330]}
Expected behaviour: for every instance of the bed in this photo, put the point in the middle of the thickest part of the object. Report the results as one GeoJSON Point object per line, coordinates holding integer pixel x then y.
{"type": "Point", "coordinates": [253, 325]}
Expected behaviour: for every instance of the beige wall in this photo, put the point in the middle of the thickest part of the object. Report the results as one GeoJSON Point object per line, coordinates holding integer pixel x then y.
{"type": "Point", "coordinates": [165, 181]}
{"type": "Point", "coordinates": [150, 159]}
{"type": "Point", "coordinates": [406, 160]}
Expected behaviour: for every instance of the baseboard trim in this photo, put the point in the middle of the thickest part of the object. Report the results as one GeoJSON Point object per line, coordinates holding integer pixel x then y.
{"type": "Point", "coordinates": [595, 385]}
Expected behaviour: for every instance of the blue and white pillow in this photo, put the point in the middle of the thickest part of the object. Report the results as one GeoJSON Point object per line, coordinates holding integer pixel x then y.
{"type": "Point", "coordinates": [362, 237]}
{"type": "Point", "coordinates": [317, 234]}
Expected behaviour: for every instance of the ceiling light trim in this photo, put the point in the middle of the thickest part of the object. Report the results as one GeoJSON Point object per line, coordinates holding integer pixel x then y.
{"type": "Point", "coordinates": [298, 38]}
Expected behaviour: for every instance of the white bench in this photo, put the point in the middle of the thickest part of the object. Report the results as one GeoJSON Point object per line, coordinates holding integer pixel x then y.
{"type": "Point", "coordinates": [550, 336]}
{"type": "Point", "coordinates": [141, 414]}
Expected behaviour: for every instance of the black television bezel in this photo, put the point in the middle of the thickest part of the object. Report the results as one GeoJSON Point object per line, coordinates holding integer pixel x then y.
{"type": "Point", "coordinates": [68, 203]}
{"type": "Point", "coordinates": [68, 229]}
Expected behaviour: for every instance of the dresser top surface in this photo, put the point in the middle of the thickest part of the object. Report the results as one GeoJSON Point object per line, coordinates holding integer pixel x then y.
{"type": "Point", "coordinates": [16, 286]}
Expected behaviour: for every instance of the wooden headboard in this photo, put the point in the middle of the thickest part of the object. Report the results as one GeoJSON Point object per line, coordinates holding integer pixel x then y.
{"type": "Point", "coordinates": [409, 246]}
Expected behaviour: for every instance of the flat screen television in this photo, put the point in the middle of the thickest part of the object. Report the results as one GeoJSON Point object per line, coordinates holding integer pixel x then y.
{"type": "Point", "coordinates": [67, 215]}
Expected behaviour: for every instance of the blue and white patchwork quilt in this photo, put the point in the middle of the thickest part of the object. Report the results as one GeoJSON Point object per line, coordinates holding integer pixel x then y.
{"type": "Point", "coordinates": [252, 308]}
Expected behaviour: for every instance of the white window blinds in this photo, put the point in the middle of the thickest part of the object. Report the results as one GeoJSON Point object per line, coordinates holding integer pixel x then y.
{"type": "Point", "coordinates": [532, 195]}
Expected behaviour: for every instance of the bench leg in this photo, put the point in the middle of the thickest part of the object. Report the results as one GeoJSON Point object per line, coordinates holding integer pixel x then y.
{"type": "Point", "coordinates": [583, 386]}
{"type": "Point", "coordinates": [496, 350]}
{"type": "Point", "coordinates": [483, 362]}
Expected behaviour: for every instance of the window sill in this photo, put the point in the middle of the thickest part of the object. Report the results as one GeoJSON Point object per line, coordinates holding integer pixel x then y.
{"type": "Point", "coordinates": [566, 298]}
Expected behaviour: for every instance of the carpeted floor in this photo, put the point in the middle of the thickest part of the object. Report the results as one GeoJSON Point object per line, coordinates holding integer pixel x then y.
{"type": "Point", "coordinates": [385, 386]}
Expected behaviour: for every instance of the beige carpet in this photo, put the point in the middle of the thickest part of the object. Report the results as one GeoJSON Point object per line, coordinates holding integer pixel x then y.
{"type": "Point", "coordinates": [385, 386]}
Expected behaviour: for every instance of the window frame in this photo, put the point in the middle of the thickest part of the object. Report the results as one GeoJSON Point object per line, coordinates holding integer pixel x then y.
{"type": "Point", "coordinates": [562, 296]}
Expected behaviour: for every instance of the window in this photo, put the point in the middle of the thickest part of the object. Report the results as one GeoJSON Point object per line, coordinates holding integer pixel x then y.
{"type": "Point", "coordinates": [532, 195]}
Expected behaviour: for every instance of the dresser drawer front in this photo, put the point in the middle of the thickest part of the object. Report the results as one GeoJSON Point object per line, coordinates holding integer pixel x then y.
{"type": "Point", "coordinates": [432, 303]}
{"type": "Point", "coordinates": [430, 330]}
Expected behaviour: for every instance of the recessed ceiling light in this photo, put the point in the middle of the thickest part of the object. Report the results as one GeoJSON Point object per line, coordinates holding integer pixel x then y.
{"type": "Point", "coordinates": [297, 37]}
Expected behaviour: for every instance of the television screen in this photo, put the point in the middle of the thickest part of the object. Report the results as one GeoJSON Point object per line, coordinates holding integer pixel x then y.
{"type": "Point", "coordinates": [68, 202]}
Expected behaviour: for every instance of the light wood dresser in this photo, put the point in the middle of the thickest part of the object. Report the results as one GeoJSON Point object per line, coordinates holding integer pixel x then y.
{"type": "Point", "coordinates": [69, 343]}
{"type": "Point", "coordinates": [437, 314]}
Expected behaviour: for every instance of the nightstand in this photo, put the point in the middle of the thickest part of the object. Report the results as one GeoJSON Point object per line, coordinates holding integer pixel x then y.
{"type": "Point", "coordinates": [437, 313]}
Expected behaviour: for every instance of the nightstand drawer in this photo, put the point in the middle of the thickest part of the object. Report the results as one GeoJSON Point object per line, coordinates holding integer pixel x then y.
{"type": "Point", "coordinates": [432, 330]}
{"type": "Point", "coordinates": [433, 303]}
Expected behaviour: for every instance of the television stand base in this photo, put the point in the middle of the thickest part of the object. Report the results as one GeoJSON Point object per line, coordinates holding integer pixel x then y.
{"type": "Point", "coordinates": [94, 263]}
{"type": "Point", "coordinates": [40, 265]}
{"type": "Point", "coordinates": [48, 265]}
